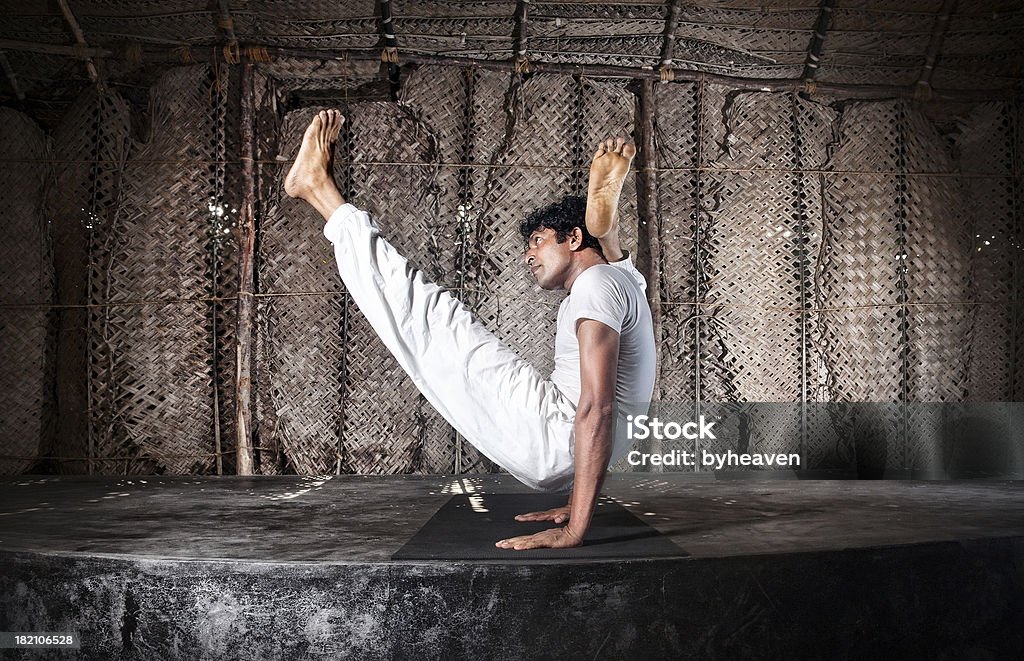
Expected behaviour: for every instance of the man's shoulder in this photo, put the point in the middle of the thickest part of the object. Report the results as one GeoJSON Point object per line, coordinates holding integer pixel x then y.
{"type": "Point", "coordinates": [599, 272]}
{"type": "Point", "coordinates": [607, 277]}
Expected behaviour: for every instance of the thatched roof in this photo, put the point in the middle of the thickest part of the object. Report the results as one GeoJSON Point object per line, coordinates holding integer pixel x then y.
{"type": "Point", "coordinates": [971, 45]}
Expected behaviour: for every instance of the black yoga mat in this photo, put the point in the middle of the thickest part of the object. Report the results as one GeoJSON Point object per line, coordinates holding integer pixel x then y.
{"type": "Point", "coordinates": [467, 526]}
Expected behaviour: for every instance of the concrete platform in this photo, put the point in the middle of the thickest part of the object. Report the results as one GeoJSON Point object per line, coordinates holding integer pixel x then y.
{"type": "Point", "coordinates": [299, 567]}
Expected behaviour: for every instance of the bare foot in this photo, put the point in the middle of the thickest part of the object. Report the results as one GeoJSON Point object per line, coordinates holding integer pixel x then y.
{"type": "Point", "coordinates": [607, 173]}
{"type": "Point", "coordinates": [309, 178]}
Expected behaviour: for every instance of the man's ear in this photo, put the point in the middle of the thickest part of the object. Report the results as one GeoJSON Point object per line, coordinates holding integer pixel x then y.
{"type": "Point", "coordinates": [576, 239]}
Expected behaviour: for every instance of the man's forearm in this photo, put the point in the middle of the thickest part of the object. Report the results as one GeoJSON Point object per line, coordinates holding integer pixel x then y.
{"type": "Point", "coordinates": [593, 449]}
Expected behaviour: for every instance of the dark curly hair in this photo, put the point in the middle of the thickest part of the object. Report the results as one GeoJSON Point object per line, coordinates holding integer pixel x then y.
{"type": "Point", "coordinates": [562, 217]}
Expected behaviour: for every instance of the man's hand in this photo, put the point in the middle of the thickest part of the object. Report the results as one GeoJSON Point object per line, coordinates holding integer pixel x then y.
{"type": "Point", "coordinates": [554, 538]}
{"type": "Point", "coordinates": [555, 514]}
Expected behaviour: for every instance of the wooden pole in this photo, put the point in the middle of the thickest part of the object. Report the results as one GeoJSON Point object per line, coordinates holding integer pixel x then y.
{"type": "Point", "coordinates": [519, 31]}
{"type": "Point", "coordinates": [246, 246]}
{"type": "Point", "coordinates": [76, 30]}
{"type": "Point", "coordinates": [668, 38]}
{"type": "Point", "coordinates": [12, 78]}
{"type": "Point", "coordinates": [226, 24]}
{"type": "Point", "coordinates": [818, 40]}
{"type": "Point", "coordinates": [924, 81]}
{"type": "Point", "coordinates": [389, 53]}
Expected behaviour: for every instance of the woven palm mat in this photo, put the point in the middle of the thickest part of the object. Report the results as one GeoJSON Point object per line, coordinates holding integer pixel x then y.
{"type": "Point", "coordinates": [91, 147]}
{"type": "Point", "coordinates": [154, 379]}
{"type": "Point", "coordinates": [26, 278]}
{"type": "Point", "coordinates": [327, 370]}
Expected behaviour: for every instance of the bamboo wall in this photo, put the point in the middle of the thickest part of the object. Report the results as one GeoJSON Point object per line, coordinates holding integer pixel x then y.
{"type": "Point", "coordinates": [811, 253]}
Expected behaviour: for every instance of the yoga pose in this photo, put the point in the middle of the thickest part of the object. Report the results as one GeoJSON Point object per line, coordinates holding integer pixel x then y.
{"type": "Point", "coordinates": [550, 433]}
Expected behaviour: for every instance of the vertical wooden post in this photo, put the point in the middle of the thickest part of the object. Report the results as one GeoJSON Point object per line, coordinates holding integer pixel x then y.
{"type": "Point", "coordinates": [246, 246]}
{"type": "Point", "coordinates": [649, 229]}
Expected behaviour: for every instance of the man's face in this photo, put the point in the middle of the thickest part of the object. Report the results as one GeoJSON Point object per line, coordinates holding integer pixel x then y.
{"type": "Point", "coordinates": [548, 260]}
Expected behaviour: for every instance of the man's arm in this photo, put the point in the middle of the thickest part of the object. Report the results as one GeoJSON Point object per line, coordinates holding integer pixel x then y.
{"type": "Point", "coordinates": [594, 427]}
{"type": "Point", "coordinates": [595, 419]}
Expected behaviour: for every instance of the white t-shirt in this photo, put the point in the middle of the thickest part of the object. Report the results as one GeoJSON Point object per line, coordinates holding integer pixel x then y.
{"type": "Point", "coordinates": [612, 294]}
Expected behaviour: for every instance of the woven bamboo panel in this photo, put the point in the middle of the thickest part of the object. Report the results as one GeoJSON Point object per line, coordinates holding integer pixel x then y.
{"type": "Point", "coordinates": [859, 289]}
{"type": "Point", "coordinates": [290, 243]}
{"type": "Point", "coordinates": [862, 287]}
{"type": "Point", "coordinates": [938, 260]}
{"type": "Point", "coordinates": [814, 127]}
{"type": "Point", "coordinates": [152, 342]}
{"type": "Point", "coordinates": [313, 9]}
{"type": "Point", "coordinates": [740, 254]}
{"type": "Point", "coordinates": [985, 146]}
{"type": "Point", "coordinates": [300, 326]}
{"type": "Point", "coordinates": [628, 51]}
{"type": "Point", "coordinates": [26, 278]}
{"type": "Point", "coordinates": [226, 186]}
{"type": "Point", "coordinates": [311, 23]}
{"type": "Point", "coordinates": [44, 29]}
{"type": "Point", "coordinates": [52, 75]}
{"type": "Point", "coordinates": [762, 241]}
{"type": "Point", "coordinates": [823, 429]}
{"type": "Point", "coordinates": [405, 202]}
{"type": "Point", "coordinates": [438, 97]}
{"type": "Point", "coordinates": [866, 44]}
{"type": "Point", "coordinates": [132, 7]}
{"type": "Point", "coordinates": [648, 12]}
{"type": "Point", "coordinates": [467, 11]}
{"type": "Point", "coordinates": [192, 28]}
{"type": "Point", "coordinates": [352, 34]}
{"type": "Point", "coordinates": [608, 108]}
{"type": "Point", "coordinates": [676, 131]}
{"type": "Point", "coordinates": [751, 324]}
{"type": "Point", "coordinates": [677, 369]}
{"type": "Point", "coordinates": [441, 99]}
{"type": "Point", "coordinates": [290, 74]}
{"type": "Point", "coordinates": [328, 386]}
{"type": "Point", "coordinates": [531, 167]}
{"type": "Point", "coordinates": [752, 45]}
{"type": "Point", "coordinates": [489, 119]}
{"type": "Point", "coordinates": [91, 146]}
{"type": "Point", "coordinates": [1017, 234]}
{"type": "Point", "coordinates": [926, 428]}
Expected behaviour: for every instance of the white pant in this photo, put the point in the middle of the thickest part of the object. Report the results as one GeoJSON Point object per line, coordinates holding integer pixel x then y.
{"type": "Point", "coordinates": [491, 396]}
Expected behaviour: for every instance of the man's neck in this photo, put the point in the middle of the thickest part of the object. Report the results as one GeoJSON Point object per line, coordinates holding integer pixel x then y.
{"type": "Point", "coordinates": [584, 260]}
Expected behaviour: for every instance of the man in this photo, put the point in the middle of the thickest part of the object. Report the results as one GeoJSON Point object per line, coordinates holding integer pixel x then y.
{"type": "Point", "coordinates": [548, 433]}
